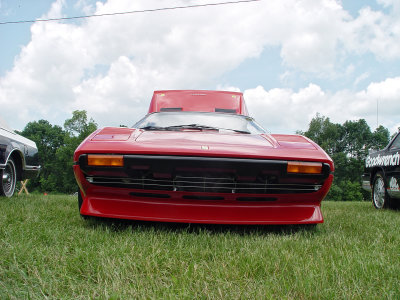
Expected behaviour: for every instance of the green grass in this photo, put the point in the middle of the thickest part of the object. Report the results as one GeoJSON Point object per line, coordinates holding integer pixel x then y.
{"type": "Point", "coordinates": [48, 251]}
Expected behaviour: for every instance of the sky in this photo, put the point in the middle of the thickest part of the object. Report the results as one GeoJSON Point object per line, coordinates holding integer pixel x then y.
{"type": "Point", "coordinates": [292, 59]}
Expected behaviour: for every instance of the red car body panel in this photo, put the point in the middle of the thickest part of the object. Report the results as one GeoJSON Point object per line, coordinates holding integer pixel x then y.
{"type": "Point", "coordinates": [135, 141]}
{"type": "Point", "coordinates": [210, 148]}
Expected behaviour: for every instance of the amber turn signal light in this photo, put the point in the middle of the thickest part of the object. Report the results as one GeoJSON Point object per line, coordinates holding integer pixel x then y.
{"type": "Point", "coordinates": [304, 167]}
{"type": "Point", "coordinates": [105, 160]}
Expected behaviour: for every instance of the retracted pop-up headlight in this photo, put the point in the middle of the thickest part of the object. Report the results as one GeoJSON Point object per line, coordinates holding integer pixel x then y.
{"type": "Point", "coordinates": [105, 160]}
{"type": "Point", "coordinates": [299, 167]}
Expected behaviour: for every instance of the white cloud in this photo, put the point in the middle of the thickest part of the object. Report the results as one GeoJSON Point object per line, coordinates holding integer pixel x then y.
{"type": "Point", "coordinates": [227, 88]}
{"type": "Point", "coordinates": [375, 32]}
{"type": "Point", "coordinates": [394, 4]}
{"type": "Point", "coordinates": [85, 6]}
{"type": "Point", "coordinates": [285, 110]}
{"type": "Point", "coordinates": [119, 93]}
{"type": "Point", "coordinates": [361, 78]}
{"type": "Point", "coordinates": [110, 65]}
{"type": "Point", "coordinates": [316, 30]}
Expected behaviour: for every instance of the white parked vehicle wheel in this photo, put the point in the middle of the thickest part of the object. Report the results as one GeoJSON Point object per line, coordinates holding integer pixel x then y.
{"type": "Point", "coordinates": [9, 179]}
{"type": "Point", "coordinates": [380, 197]}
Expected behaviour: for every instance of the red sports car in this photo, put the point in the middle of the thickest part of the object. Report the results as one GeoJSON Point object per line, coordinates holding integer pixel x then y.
{"type": "Point", "coordinates": [197, 157]}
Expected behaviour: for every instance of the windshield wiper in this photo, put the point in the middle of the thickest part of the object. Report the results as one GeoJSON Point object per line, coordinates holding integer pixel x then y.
{"type": "Point", "coordinates": [236, 130]}
{"type": "Point", "coordinates": [153, 128]}
{"type": "Point", "coordinates": [178, 127]}
{"type": "Point", "coordinates": [204, 127]}
{"type": "Point", "coordinates": [191, 126]}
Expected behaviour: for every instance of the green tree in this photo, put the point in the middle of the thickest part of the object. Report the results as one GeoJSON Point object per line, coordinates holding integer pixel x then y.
{"type": "Point", "coordinates": [79, 126]}
{"type": "Point", "coordinates": [356, 138]}
{"type": "Point", "coordinates": [325, 133]}
{"type": "Point", "coordinates": [335, 193]}
{"type": "Point", "coordinates": [380, 138]}
{"type": "Point", "coordinates": [56, 147]}
{"type": "Point", "coordinates": [77, 129]}
{"type": "Point", "coordinates": [48, 139]}
{"type": "Point", "coordinates": [348, 146]}
{"type": "Point", "coordinates": [352, 190]}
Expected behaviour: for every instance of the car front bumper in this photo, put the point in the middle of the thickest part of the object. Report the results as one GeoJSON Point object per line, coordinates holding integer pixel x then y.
{"type": "Point", "coordinates": [194, 207]}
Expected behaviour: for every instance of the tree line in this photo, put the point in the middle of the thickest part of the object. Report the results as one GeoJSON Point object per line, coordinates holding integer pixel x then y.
{"type": "Point", "coordinates": [56, 146]}
{"type": "Point", "coordinates": [348, 145]}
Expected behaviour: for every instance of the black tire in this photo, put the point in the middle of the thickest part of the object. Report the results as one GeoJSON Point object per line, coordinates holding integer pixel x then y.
{"type": "Point", "coordinates": [380, 196]}
{"type": "Point", "coordinates": [8, 179]}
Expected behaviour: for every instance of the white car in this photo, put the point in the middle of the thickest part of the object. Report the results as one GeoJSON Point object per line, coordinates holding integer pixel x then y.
{"type": "Point", "coordinates": [18, 159]}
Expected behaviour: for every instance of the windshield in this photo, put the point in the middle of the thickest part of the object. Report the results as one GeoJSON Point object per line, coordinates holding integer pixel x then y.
{"type": "Point", "coordinates": [199, 121]}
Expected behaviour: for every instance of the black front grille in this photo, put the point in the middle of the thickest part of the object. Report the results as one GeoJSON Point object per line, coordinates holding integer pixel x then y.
{"type": "Point", "coordinates": [204, 175]}
{"type": "Point", "coordinates": [205, 185]}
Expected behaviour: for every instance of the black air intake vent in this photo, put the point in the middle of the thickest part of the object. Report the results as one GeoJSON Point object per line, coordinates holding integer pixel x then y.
{"type": "Point", "coordinates": [205, 185]}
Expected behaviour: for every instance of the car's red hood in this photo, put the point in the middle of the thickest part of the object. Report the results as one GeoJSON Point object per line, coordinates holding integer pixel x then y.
{"type": "Point", "coordinates": [202, 143]}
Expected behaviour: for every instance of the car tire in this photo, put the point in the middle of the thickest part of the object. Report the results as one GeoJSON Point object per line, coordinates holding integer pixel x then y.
{"type": "Point", "coordinates": [380, 196]}
{"type": "Point", "coordinates": [8, 179]}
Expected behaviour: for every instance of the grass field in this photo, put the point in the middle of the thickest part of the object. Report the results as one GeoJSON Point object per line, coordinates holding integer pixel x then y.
{"type": "Point", "coordinates": [48, 251]}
